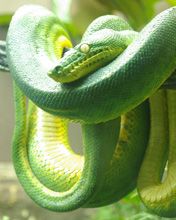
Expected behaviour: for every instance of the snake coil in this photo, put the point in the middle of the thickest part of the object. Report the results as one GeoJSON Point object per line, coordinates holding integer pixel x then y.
{"type": "Point", "coordinates": [118, 122]}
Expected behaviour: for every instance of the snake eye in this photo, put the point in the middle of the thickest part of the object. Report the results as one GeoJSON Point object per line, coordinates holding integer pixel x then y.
{"type": "Point", "coordinates": [84, 48]}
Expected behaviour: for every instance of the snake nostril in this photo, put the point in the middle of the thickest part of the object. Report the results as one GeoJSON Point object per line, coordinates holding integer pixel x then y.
{"type": "Point", "coordinates": [56, 70]}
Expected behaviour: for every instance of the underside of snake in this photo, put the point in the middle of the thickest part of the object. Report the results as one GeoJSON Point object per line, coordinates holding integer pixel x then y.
{"type": "Point", "coordinates": [103, 83]}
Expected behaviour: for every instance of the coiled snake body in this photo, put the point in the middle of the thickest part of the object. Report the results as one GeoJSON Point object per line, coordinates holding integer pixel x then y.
{"type": "Point", "coordinates": [126, 68]}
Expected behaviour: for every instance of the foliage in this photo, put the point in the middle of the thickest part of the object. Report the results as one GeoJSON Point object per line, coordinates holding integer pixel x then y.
{"type": "Point", "coordinates": [78, 14]}
{"type": "Point", "coordinates": [137, 12]}
{"type": "Point", "coordinates": [5, 19]}
{"type": "Point", "coordinates": [129, 208]}
{"type": "Point", "coordinates": [171, 2]}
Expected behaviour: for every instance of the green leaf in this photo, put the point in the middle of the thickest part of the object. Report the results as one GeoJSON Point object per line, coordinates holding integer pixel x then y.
{"type": "Point", "coordinates": [78, 14]}
{"type": "Point", "coordinates": [137, 12]}
{"type": "Point", "coordinates": [171, 2]}
{"type": "Point", "coordinates": [5, 19]}
{"type": "Point", "coordinates": [62, 10]}
{"type": "Point", "coordinates": [4, 22]}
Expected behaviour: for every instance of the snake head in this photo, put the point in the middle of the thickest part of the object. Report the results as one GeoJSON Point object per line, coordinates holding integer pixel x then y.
{"type": "Point", "coordinates": [92, 53]}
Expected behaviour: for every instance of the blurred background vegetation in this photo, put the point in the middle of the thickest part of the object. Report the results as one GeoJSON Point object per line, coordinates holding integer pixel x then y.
{"type": "Point", "coordinates": [75, 16]}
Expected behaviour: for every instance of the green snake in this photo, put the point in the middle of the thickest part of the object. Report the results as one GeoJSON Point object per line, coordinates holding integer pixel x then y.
{"type": "Point", "coordinates": [102, 83]}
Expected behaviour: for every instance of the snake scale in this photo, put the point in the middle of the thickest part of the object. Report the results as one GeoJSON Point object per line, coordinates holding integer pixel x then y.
{"type": "Point", "coordinates": [103, 83]}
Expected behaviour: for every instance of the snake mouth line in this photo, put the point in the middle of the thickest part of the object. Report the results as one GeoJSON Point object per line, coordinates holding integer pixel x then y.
{"type": "Point", "coordinates": [91, 59]}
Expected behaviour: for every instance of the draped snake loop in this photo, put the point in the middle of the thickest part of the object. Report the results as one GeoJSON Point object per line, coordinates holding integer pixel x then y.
{"type": "Point", "coordinates": [110, 103]}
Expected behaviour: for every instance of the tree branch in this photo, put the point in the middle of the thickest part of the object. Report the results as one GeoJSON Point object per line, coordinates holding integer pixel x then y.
{"type": "Point", "coordinates": [3, 57]}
